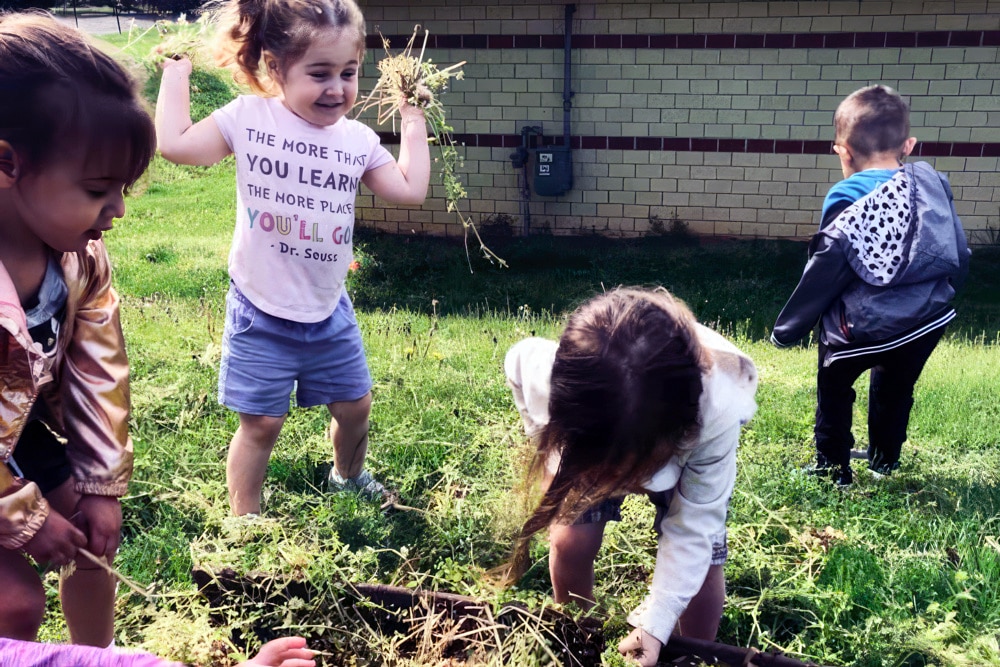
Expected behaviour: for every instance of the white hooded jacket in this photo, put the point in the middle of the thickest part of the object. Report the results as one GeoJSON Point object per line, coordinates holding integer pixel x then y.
{"type": "Point", "coordinates": [702, 474]}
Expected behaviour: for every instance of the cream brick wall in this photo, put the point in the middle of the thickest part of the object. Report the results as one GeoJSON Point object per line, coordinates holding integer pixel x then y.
{"type": "Point", "coordinates": [692, 93]}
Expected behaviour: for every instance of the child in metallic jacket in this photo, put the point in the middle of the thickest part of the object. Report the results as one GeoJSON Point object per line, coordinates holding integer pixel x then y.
{"type": "Point", "coordinates": [636, 397]}
{"type": "Point", "coordinates": [881, 275]}
{"type": "Point", "coordinates": [73, 137]}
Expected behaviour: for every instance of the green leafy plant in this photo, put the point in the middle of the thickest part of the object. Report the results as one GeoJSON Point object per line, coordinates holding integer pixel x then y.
{"type": "Point", "coordinates": [673, 227]}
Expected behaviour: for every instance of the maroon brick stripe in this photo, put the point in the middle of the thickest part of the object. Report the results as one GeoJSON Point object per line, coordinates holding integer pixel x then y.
{"type": "Point", "coordinates": [784, 40]}
{"type": "Point", "coordinates": [703, 145]}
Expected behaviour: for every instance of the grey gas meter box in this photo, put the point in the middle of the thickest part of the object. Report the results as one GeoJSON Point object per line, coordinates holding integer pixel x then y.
{"type": "Point", "coordinates": [553, 171]}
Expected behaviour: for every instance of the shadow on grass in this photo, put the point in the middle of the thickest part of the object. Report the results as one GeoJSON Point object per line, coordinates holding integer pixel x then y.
{"type": "Point", "coordinates": [738, 285]}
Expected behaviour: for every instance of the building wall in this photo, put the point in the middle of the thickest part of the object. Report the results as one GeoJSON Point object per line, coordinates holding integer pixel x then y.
{"type": "Point", "coordinates": [717, 114]}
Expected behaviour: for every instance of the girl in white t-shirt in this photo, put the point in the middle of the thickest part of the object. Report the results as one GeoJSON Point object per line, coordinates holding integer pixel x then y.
{"type": "Point", "coordinates": [636, 397]}
{"type": "Point", "coordinates": [299, 160]}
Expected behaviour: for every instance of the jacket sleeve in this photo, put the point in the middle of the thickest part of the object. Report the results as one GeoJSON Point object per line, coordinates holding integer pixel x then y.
{"type": "Point", "coordinates": [695, 519]}
{"type": "Point", "coordinates": [528, 367]}
{"type": "Point", "coordinates": [94, 385]}
{"type": "Point", "coordinates": [831, 214]}
{"type": "Point", "coordinates": [826, 276]}
{"type": "Point", "coordinates": [23, 510]}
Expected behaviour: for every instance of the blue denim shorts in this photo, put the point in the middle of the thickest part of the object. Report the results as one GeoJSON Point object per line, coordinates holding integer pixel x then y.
{"type": "Point", "coordinates": [610, 509]}
{"type": "Point", "coordinates": [266, 358]}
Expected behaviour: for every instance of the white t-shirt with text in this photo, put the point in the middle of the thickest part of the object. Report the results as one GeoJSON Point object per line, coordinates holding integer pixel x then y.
{"type": "Point", "coordinates": [296, 185]}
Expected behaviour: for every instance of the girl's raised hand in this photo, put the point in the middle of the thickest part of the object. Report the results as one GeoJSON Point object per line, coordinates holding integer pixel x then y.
{"type": "Point", "coordinates": [56, 542]}
{"type": "Point", "coordinates": [282, 652]}
{"type": "Point", "coordinates": [181, 64]}
{"type": "Point", "coordinates": [641, 647]}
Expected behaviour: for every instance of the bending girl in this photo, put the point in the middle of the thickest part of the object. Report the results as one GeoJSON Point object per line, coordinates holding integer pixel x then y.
{"type": "Point", "coordinates": [636, 397]}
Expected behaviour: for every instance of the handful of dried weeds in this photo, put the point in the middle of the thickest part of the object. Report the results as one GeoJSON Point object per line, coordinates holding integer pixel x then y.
{"type": "Point", "coordinates": [184, 38]}
{"type": "Point", "coordinates": [408, 79]}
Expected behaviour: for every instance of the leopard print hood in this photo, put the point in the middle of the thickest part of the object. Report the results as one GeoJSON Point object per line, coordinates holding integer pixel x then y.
{"type": "Point", "coordinates": [885, 245]}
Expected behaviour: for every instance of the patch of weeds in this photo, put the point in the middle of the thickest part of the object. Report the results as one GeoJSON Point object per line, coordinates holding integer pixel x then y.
{"type": "Point", "coordinates": [408, 79]}
{"type": "Point", "coordinates": [920, 582]}
{"type": "Point", "coordinates": [357, 522]}
{"type": "Point", "coordinates": [855, 571]}
{"type": "Point", "coordinates": [672, 227]}
{"type": "Point", "coordinates": [497, 226]}
{"type": "Point", "coordinates": [543, 228]}
{"type": "Point", "coordinates": [161, 255]}
{"type": "Point", "coordinates": [988, 236]}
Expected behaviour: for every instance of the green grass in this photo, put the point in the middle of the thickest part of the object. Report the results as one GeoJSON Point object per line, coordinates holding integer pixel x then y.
{"type": "Point", "coordinates": [903, 571]}
{"type": "Point", "coordinates": [907, 573]}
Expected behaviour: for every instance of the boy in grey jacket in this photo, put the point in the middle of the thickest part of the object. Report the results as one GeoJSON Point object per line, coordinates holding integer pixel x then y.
{"type": "Point", "coordinates": [882, 271]}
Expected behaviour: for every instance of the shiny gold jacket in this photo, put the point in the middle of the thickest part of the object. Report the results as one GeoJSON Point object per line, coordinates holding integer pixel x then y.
{"type": "Point", "coordinates": [85, 389]}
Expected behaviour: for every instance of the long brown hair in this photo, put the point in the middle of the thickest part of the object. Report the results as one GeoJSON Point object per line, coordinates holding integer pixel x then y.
{"type": "Point", "coordinates": [280, 29]}
{"type": "Point", "coordinates": [60, 93]}
{"type": "Point", "coordinates": [623, 400]}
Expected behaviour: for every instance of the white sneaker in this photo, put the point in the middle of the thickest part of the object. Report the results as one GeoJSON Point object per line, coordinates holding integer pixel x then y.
{"type": "Point", "coordinates": [364, 484]}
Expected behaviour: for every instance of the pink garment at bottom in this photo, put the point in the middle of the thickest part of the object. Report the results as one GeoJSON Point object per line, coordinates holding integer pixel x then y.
{"type": "Point", "coordinates": [17, 653]}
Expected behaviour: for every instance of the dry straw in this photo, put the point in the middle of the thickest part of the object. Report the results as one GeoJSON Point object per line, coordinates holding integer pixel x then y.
{"type": "Point", "coordinates": [410, 79]}
{"type": "Point", "coordinates": [67, 571]}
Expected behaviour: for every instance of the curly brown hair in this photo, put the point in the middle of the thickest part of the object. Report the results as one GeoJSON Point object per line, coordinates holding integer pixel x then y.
{"type": "Point", "coordinates": [282, 30]}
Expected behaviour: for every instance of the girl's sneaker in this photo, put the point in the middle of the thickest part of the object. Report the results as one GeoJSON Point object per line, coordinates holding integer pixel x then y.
{"type": "Point", "coordinates": [364, 484]}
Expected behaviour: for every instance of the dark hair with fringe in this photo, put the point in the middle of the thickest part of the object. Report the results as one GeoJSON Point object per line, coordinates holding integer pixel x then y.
{"type": "Point", "coordinates": [281, 29]}
{"type": "Point", "coordinates": [60, 93]}
{"type": "Point", "coordinates": [623, 400]}
{"type": "Point", "coordinates": [872, 120]}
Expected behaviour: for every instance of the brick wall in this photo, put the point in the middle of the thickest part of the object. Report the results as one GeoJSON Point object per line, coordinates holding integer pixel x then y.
{"type": "Point", "coordinates": [718, 114]}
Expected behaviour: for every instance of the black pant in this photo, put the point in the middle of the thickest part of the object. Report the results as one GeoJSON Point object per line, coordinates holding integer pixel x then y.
{"type": "Point", "coordinates": [890, 397]}
{"type": "Point", "coordinates": [40, 457]}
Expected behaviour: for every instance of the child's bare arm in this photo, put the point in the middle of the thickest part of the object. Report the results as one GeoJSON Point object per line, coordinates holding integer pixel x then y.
{"type": "Point", "coordinates": [282, 652]}
{"type": "Point", "coordinates": [178, 139]}
{"type": "Point", "coordinates": [406, 180]}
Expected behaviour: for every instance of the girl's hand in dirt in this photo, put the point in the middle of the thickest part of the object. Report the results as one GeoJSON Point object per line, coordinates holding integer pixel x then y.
{"type": "Point", "coordinates": [100, 517]}
{"type": "Point", "coordinates": [283, 652]}
{"type": "Point", "coordinates": [641, 647]}
{"type": "Point", "coordinates": [173, 63]}
{"type": "Point", "coordinates": [56, 542]}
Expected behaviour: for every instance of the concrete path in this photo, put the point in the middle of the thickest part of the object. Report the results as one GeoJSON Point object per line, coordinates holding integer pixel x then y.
{"type": "Point", "coordinates": [103, 23]}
